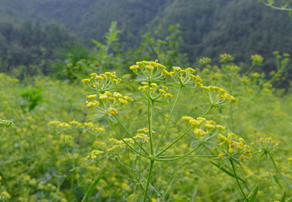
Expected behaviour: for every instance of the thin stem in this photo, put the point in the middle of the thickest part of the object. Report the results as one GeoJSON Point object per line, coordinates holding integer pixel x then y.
{"type": "Point", "coordinates": [150, 108]}
{"type": "Point", "coordinates": [186, 155]}
{"type": "Point", "coordinates": [148, 180]}
{"type": "Point", "coordinates": [207, 112]}
{"type": "Point", "coordinates": [173, 156]}
{"type": "Point", "coordinates": [169, 117]}
{"type": "Point", "coordinates": [3, 133]}
{"type": "Point", "coordinates": [131, 136]}
{"type": "Point", "coordinates": [131, 148]}
{"type": "Point", "coordinates": [173, 142]}
{"type": "Point", "coordinates": [236, 177]}
{"type": "Point", "coordinates": [247, 72]}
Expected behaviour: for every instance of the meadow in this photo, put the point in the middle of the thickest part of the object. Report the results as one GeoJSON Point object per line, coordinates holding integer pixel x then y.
{"type": "Point", "coordinates": [149, 132]}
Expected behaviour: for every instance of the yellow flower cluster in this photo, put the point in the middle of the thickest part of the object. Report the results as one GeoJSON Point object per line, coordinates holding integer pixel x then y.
{"type": "Point", "coordinates": [149, 70]}
{"type": "Point", "coordinates": [186, 77]}
{"type": "Point", "coordinates": [219, 96]}
{"type": "Point", "coordinates": [234, 67]}
{"type": "Point", "coordinates": [228, 147]}
{"type": "Point", "coordinates": [204, 61]}
{"type": "Point", "coordinates": [154, 92]}
{"type": "Point", "coordinates": [119, 144]}
{"type": "Point", "coordinates": [111, 103]}
{"type": "Point", "coordinates": [67, 139]}
{"type": "Point", "coordinates": [103, 82]}
{"type": "Point", "coordinates": [257, 59]}
{"type": "Point", "coordinates": [256, 75]}
{"type": "Point", "coordinates": [206, 126]}
{"type": "Point", "coordinates": [76, 125]}
{"type": "Point", "coordinates": [226, 57]}
{"type": "Point", "coordinates": [94, 154]}
{"type": "Point", "coordinates": [266, 144]}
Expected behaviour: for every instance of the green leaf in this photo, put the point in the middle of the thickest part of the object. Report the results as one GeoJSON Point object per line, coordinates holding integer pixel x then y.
{"type": "Point", "coordinates": [289, 200]}
{"type": "Point", "coordinates": [261, 156]}
{"type": "Point", "coordinates": [226, 171]}
{"type": "Point", "coordinates": [100, 45]}
{"type": "Point", "coordinates": [91, 188]}
{"type": "Point", "coordinates": [253, 194]}
{"type": "Point", "coordinates": [290, 13]}
{"type": "Point", "coordinates": [283, 197]}
{"type": "Point", "coordinates": [286, 180]}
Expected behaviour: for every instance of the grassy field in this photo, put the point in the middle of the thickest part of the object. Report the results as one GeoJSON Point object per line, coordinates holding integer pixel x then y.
{"type": "Point", "coordinates": [208, 133]}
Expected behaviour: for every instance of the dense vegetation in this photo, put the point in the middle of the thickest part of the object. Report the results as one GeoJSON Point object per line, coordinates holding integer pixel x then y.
{"type": "Point", "coordinates": [208, 27]}
{"type": "Point", "coordinates": [136, 113]}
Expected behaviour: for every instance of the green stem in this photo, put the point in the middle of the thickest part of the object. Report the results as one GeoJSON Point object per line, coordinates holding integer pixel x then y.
{"type": "Point", "coordinates": [150, 111]}
{"type": "Point", "coordinates": [270, 176]}
{"type": "Point", "coordinates": [174, 156]}
{"type": "Point", "coordinates": [148, 180]}
{"type": "Point", "coordinates": [247, 72]}
{"type": "Point", "coordinates": [3, 133]}
{"type": "Point", "coordinates": [287, 182]}
{"type": "Point", "coordinates": [131, 148]}
{"type": "Point", "coordinates": [173, 142]}
{"type": "Point", "coordinates": [187, 154]}
{"type": "Point", "coordinates": [169, 117]}
{"type": "Point", "coordinates": [207, 112]}
{"type": "Point", "coordinates": [131, 136]}
{"type": "Point", "coordinates": [236, 177]}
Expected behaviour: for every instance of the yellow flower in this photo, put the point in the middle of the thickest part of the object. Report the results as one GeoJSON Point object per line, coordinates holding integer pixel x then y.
{"type": "Point", "coordinates": [230, 150]}
{"type": "Point", "coordinates": [123, 101]}
{"type": "Point", "coordinates": [187, 118]}
{"type": "Point", "coordinates": [117, 95]}
{"type": "Point", "coordinates": [90, 96]}
{"type": "Point", "coordinates": [103, 97]}
{"type": "Point", "coordinates": [86, 80]}
{"type": "Point", "coordinates": [113, 111]}
{"type": "Point", "coordinates": [199, 132]}
{"type": "Point", "coordinates": [128, 98]}
{"type": "Point", "coordinates": [149, 67]}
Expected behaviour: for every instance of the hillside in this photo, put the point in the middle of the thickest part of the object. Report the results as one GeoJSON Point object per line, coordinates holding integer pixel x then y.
{"type": "Point", "coordinates": [240, 27]}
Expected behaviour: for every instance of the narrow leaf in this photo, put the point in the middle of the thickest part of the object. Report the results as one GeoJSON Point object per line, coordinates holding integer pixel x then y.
{"type": "Point", "coordinates": [253, 194]}
{"type": "Point", "coordinates": [226, 171]}
{"type": "Point", "coordinates": [91, 188]}
{"type": "Point", "coordinates": [283, 197]}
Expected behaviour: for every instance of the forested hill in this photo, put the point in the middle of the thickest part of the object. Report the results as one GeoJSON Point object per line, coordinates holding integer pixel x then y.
{"type": "Point", "coordinates": [209, 27]}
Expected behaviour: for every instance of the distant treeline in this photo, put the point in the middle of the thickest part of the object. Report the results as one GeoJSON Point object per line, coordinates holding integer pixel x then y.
{"type": "Point", "coordinates": [208, 28]}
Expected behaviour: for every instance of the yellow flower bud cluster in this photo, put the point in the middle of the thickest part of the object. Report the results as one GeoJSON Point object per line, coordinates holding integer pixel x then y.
{"type": "Point", "coordinates": [234, 67]}
{"type": "Point", "coordinates": [119, 144]}
{"type": "Point", "coordinates": [94, 154]}
{"type": "Point", "coordinates": [103, 82]}
{"type": "Point", "coordinates": [218, 96]}
{"type": "Point", "coordinates": [225, 57]}
{"type": "Point", "coordinates": [255, 75]}
{"type": "Point", "coordinates": [149, 70]}
{"type": "Point", "coordinates": [229, 147]}
{"type": "Point", "coordinates": [87, 126]}
{"type": "Point", "coordinates": [204, 61]}
{"type": "Point", "coordinates": [111, 103]}
{"type": "Point", "coordinates": [263, 144]}
{"type": "Point", "coordinates": [145, 130]}
{"type": "Point", "coordinates": [67, 139]}
{"type": "Point", "coordinates": [203, 126]}
{"type": "Point", "coordinates": [155, 92]}
{"type": "Point", "coordinates": [257, 59]}
{"type": "Point", "coordinates": [186, 77]}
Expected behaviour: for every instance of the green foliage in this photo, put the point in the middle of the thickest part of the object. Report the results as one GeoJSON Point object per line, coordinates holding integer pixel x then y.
{"type": "Point", "coordinates": [31, 98]}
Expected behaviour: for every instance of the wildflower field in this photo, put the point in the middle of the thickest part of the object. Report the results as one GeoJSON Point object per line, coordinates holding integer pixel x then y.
{"type": "Point", "coordinates": [149, 132]}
